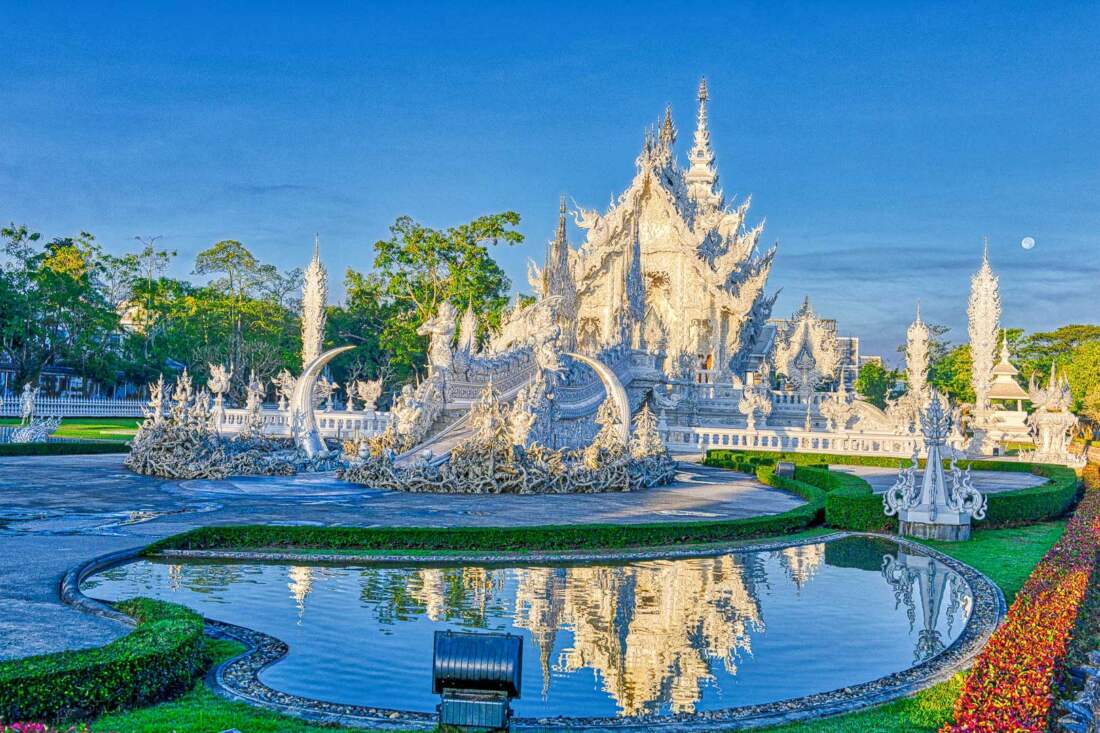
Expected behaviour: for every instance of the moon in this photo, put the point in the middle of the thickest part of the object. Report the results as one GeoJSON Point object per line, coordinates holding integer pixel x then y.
{"type": "Point", "coordinates": [1028, 242]}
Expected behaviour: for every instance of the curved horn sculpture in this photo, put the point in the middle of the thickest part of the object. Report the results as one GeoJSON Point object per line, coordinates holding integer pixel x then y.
{"type": "Point", "coordinates": [301, 403]}
{"type": "Point", "coordinates": [614, 389]}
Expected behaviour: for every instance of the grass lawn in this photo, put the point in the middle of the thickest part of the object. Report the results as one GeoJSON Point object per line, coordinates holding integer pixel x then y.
{"type": "Point", "coordinates": [1005, 555]}
{"type": "Point", "coordinates": [201, 711]}
{"type": "Point", "coordinates": [118, 429]}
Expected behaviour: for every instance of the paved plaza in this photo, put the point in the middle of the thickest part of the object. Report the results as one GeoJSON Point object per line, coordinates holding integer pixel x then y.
{"type": "Point", "coordinates": [59, 511]}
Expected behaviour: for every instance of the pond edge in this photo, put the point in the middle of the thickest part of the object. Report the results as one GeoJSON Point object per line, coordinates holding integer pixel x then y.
{"type": "Point", "coordinates": [237, 679]}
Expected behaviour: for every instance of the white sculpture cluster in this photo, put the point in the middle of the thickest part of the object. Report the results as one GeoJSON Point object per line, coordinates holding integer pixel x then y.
{"type": "Point", "coordinates": [934, 508]}
{"type": "Point", "coordinates": [493, 461]}
{"type": "Point", "coordinates": [179, 439]}
{"type": "Point", "coordinates": [1052, 422]}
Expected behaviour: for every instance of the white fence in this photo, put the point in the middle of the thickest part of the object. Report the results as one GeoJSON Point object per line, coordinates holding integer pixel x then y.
{"type": "Point", "coordinates": [701, 439]}
{"type": "Point", "coordinates": [12, 406]}
{"type": "Point", "coordinates": [334, 424]}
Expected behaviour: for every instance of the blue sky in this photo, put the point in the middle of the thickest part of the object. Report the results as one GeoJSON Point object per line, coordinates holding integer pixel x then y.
{"type": "Point", "coordinates": [880, 144]}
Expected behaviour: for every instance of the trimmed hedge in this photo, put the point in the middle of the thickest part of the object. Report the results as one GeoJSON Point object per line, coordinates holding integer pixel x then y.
{"type": "Point", "coordinates": [159, 659]}
{"type": "Point", "coordinates": [474, 539]}
{"type": "Point", "coordinates": [61, 449]}
{"type": "Point", "coordinates": [851, 504]}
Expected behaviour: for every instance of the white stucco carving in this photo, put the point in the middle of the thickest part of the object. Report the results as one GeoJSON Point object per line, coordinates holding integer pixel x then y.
{"type": "Point", "coordinates": [314, 295]}
{"type": "Point", "coordinates": [984, 314]}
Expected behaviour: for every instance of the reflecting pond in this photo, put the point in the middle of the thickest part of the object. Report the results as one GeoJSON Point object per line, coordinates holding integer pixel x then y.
{"type": "Point", "coordinates": [652, 637]}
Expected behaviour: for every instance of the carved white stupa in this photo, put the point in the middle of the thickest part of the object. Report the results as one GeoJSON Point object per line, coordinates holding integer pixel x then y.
{"type": "Point", "coordinates": [935, 508]}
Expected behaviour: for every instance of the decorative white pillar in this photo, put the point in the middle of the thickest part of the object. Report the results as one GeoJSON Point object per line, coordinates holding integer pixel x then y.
{"type": "Point", "coordinates": [984, 314]}
{"type": "Point", "coordinates": [934, 509]}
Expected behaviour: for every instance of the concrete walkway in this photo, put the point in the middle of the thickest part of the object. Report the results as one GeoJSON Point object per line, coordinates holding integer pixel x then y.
{"type": "Point", "coordinates": [56, 512]}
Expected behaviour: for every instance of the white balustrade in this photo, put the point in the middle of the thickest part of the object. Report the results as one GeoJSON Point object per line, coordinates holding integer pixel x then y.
{"type": "Point", "coordinates": [11, 406]}
{"type": "Point", "coordinates": [336, 424]}
{"type": "Point", "coordinates": [701, 439]}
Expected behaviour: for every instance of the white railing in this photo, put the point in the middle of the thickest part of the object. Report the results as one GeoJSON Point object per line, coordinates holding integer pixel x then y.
{"type": "Point", "coordinates": [334, 424]}
{"type": "Point", "coordinates": [12, 406]}
{"type": "Point", "coordinates": [700, 439]}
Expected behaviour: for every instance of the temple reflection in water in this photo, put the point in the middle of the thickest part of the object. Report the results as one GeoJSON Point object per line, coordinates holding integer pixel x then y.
{"type": "Point", "coordinates": [655, 637]}
{"type": "Point", "coordinates": [652, 631]}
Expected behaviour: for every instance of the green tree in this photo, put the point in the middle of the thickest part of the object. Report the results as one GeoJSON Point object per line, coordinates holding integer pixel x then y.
{"type": "Point", "coordinates": [53, 310]}
{"type": "Point", "coordinates": [1034, 353]}
{"type": "Point", "coordinates": [950, 375]}
{"type": "Point", "coordinates": [247, 313]}
{"type": "Point", "coordinates": [1083, 372]}
{"type": "Point", "coordinates": [418, 268]}
{"type": "Point", "coordinates": [874, 383]}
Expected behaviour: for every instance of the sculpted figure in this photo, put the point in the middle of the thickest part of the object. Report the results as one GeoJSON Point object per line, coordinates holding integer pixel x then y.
{"type": "Point", "coordinates": [26, 402]}
{"type": "Point", "coordinates": [441, 329]}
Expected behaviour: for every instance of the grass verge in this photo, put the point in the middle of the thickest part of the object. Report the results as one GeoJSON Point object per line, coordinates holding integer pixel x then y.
{"type": "Point", "coordinates": [117, 429]}
{"type": "Point", "coordinates": [201, 711]}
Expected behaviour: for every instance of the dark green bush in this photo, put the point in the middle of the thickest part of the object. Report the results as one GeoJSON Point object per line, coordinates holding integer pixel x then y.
{"type": "Point", "coordinates": [1037, 504]}
{"type": "Point", "coordinates": [61, 449]}
{"type": "Point", "coordinates": [159, 659]}
{"type": "Point", "coordinates": [850, 503]}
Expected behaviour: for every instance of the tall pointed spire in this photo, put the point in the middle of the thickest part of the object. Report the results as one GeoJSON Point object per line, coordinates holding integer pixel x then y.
{"type": "Point", "coordinates": [557, 276]}
{"type": "Point", "coordinates": [668, 129]}
{"type": "Point", "coordinates": [984, 314]}
{"type": "Point", "coordinates": [916, 356]}
{"type": "Point", "coordinates": [702, 176]}
{"type": "Point", "coordinates": [314, 295]}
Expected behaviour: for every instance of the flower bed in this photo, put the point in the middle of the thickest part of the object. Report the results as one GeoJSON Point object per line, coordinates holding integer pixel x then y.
{"type": "Point", "coordinates": [1012, 684]}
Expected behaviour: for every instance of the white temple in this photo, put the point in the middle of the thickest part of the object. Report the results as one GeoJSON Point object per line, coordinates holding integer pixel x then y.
{"type": "Point", "coordinates": [665, 304]}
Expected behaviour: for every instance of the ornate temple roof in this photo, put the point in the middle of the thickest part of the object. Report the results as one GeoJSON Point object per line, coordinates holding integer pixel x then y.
{"type": "Point", "coordinates": [670, 267]}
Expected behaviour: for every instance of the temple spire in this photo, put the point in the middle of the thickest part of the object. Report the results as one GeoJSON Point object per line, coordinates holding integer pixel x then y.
{"type": "Point", "coordinates": [314, 295]}
{"type": "Point", "coordinates": [983, 315]}
{"type": "Point", "coordinates": [702, 176]}
{"type": "Point", "coordinates": [916, 357]}
{"type": "Point", "coordinates": [668, 129]}
{"type": "Point", "coordinates": [557, 276]}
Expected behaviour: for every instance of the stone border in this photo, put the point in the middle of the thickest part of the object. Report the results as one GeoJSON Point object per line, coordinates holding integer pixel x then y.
{"type": "Point", "coordinates": [238, 678]}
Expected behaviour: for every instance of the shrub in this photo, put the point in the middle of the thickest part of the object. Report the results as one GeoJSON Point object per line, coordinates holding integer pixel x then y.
{"type": "Point", "coordinates": [1012, 683]}
{"type": "Point", "coordinates": [160, 658]}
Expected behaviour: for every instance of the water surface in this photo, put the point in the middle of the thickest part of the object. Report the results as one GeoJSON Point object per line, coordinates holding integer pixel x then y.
{"type": "Point", "coordinates": [660, 636]}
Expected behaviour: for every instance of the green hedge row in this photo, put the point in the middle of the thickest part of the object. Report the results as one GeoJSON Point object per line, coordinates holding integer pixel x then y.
{"type": "Point", "coordinates": [850, 503]}
{"type": "Point", "coordinates": [159, 659]}
{"type": "Point", "coordinates": [724, 458]}
{"type": "Point", "coordinates": [61, 449]}
{"type": "Point", "coordinates": [476, 539]}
